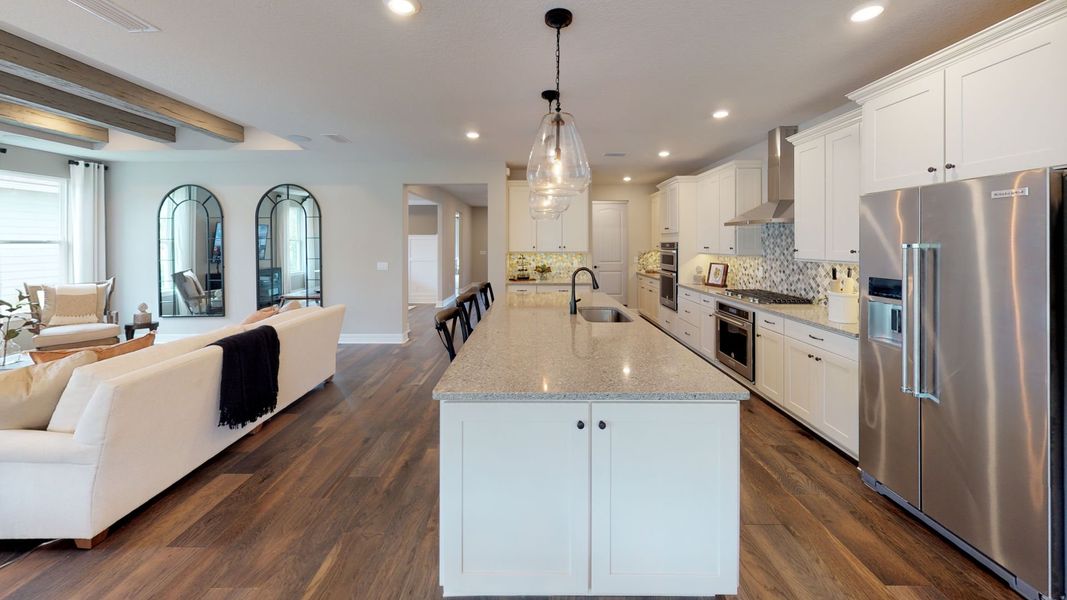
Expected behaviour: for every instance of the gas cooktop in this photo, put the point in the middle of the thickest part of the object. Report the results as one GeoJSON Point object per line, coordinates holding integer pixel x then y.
{"type": "Point", "coordinates": [765, 297]}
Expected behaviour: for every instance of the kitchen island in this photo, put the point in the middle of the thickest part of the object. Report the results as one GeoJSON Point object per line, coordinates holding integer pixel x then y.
{"type": "Point", "coordinates": [586, 458]}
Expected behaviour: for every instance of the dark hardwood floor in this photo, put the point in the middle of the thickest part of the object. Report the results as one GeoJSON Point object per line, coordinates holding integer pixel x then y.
{"type": "Point", "coordinates": [337, 498]}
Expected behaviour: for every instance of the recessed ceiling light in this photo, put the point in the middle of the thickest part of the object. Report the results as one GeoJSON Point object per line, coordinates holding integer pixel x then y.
{"type": "Point", "coordinates": [473, 135]}
{"type": "Point", "coordinates": [337, 137]}
{"type": "Point", "coordinates": [866, 12]}
{"type": "Point", "coordinates": [626, 179]}
{"type": "Point", "coordinates": [404, 8]}
{"type": "Point", "coordinates": [664, 153]}
{"type": "Point", "coordinates": [297, 138]}
{"type": "Point", "coordinates": [722, 113]}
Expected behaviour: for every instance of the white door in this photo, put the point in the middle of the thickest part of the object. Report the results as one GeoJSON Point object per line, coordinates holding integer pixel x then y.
{"type": "Point", "coordinates": [708, 214]}
{"type": "Point", "coordinates": [770, 364]}
{"type": "Point", "coordinates": [727, 211]}
{"type": "Point", "coordinates": [514, 498]}
{"type": "Point", "coordinates": [843, 194]}
{"type": "Point", "coordinates": [520, 224]}
{"type": "Point", "coordinates": [575, 225]}
{"type": "Point", "coordinates": [609, 248]}
{"type": "Point", "coordinates": [665, 499]}
{"type": "Point", "coordinates": [840, 418]}
{"type": "Point", "coordinates": [904, 135]}
{"type": "Point", "coordinates": [422, 269]}
{"type": "Point", "coordinates": [803, 379]}
{"type": "Point", "coordinates": [810, 204]}
{"type": "Point", "coordinates": [1004, 106]}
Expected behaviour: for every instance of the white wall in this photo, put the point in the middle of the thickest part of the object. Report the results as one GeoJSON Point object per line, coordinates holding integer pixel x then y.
{"type": "Point", "coordinates": [639, 215]}
{"type": "Point", "coordinates": [448, 205]}
{"type": "Point", "coordinates": [479, 243]}
{"type": "Point", "coordinates": [364, 221]}
{"type": "Point", "coordinates": [25, 160]}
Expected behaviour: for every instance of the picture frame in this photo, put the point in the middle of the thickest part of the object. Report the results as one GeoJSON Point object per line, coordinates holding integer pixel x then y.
{"type": "Point", "coordinates": [717, 273]}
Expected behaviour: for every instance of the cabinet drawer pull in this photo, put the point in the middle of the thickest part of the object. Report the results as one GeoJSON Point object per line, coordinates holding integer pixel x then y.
{"type": "Point", "coordinates": [686, 332]}
{"type": "Point", "coordinates": [817, 339]}
{"type": "Point", "coordinates": [581, 424]}
{"type": "Point", "coordinates": [602, 425]}
{"type": "Point", "coordinates": [769, 322]}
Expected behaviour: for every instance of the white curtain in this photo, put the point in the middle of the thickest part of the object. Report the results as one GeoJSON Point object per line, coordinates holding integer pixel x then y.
{"type": "Point", "coordinates": [86, 222]}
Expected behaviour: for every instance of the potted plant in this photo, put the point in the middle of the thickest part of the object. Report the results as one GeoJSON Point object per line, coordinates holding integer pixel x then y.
{"type": "Point", "coordinates": [10, 352]}
{"type": "Point", "coordinates": [543, 270]}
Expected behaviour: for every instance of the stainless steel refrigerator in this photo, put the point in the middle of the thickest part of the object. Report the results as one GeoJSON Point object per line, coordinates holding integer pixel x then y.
{"type": "Point", "coordinates": [961, 366]}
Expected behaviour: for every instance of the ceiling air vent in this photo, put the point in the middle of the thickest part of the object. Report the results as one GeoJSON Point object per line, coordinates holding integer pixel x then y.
{"type": "Point", "coordinates": [116, 15]}
{"type": "Point", "coordinates": [614, 154]}
{"type": "Point", "coordinates": [337, 137]}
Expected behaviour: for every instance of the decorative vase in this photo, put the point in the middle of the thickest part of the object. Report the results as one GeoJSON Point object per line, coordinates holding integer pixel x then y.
{"type": "Point", "coordinates": [10, 353]}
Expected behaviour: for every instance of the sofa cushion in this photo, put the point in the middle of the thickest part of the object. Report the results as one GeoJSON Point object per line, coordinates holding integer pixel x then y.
{"type": "Point", "coordinates": [85, 381]}
{"type": "Point", "coordinates": [29, 395]}
{"type": "Point", "coordinates": [74, 303]}
{"type": "Point", "coordinates": [73, 334]}
{"type": "Point", "coordinates": [102, 352]}
{"type": "Point", "coordinates": [259, 315]}
{"type": "Point", "coordinates": [288, 315]}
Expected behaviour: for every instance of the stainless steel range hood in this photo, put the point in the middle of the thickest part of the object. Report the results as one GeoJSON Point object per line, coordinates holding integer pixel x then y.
{"type": "Point", "coordinates": [779, 205]}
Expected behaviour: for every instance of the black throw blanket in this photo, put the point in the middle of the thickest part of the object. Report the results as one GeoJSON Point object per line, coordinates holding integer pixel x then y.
{"type": "Point", "coordinates": [249, 387]}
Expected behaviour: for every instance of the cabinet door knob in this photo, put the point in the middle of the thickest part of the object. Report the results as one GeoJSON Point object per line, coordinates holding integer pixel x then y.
{"type": "Point", "coordinates": [795, 250]}
{"type": "Point", "coordinates": [759, 335]}
{"type": "Point", "coordinates": [731, 247]}
{"type": "Point", "coordinates": [853, 251]}
{"type": "Point", "coordinates": [602, 425]}
{"type": "Point", "coordinates": [950, 166]}
{"type": "Point", "coordinates": [817, 359]}
{"type": "Point", "coordinates": [811, 356]}
{"type": "Point", "coordinates": [931, 169]}
{"type": "Point", "coordinates": [581, 424]}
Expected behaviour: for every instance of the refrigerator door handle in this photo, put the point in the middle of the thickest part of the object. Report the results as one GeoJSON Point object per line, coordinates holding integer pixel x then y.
{"type": "Point", "coordinates": [909, 329]}
{"type": "Point", "coordinates": [925, 390]}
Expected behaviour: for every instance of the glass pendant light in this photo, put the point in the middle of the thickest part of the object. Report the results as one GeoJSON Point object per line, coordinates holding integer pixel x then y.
{"type": "Point", "coordinates": [545, 207]}
{"type": "Point", "coordinates": [558, 167]}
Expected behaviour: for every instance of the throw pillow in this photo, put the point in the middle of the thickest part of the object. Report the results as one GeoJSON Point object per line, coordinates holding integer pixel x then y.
{"type": "Point", "coordinates": [102, 352]}
{"type": "Point", "coordinates": [259, 315]}
{"type": "Point", "coordinates": [290, 305]}
{"type": "Point", "coordinates": [74, 304]}
{"type": "Point", "coordinates": [29, 395]}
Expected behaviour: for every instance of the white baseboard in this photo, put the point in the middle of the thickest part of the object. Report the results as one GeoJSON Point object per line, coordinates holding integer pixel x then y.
{"type": "Point", "coordinates": [373, 338]}
{"type": "Point", "coordinates": [428, 299]}
{"type": "Point", "coordinates": [449, 301]}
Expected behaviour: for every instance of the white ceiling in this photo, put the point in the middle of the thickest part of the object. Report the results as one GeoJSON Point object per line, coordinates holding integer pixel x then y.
{"type": "Point", "coordinates": [472, 194]}
{"type": "Point", "coordinates": [639, 76]}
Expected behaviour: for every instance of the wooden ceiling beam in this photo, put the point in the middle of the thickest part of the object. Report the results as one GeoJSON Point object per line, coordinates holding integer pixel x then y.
{"type": "Point", "coordinates": [39, 120]}
{"type": "Point", "coordinates": [32, 61]}
{"type": "Point", "coordinates": [30, 93]}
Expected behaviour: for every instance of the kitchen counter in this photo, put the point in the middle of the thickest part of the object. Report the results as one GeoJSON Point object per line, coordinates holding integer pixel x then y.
{"type": "Point", "coordinates": [815, 315]}
{"type": "Point", "coordinates": [582, 280]}
{"type": "Point", "coordinates": [586, 459]}
{"type": "Point", "coordinates": [528, 348]}
{"type": "Point", "coordinates": [649, 275]}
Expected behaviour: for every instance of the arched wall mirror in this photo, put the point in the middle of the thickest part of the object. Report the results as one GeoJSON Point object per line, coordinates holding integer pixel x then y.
{"type": "Point", "coordinates": [288, 247]}
{"type": "Point", "coordinates": [190, 254]}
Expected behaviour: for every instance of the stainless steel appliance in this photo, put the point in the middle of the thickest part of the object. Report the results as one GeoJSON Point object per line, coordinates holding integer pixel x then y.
{"type": "Point", "coordinates": [668, 274]}
{"type": "Point", "coordinates": [779, 205]}
{"type": "Point", "coordinates": [735, 340]}
{"type": "Point", "coordinates": [961, 351]}
{"type": "Point", "coordinates": [756, 296]}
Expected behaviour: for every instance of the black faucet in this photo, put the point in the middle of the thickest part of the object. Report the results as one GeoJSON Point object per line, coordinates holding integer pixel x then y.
{"type": "Point", "coordinates": [575, 301]}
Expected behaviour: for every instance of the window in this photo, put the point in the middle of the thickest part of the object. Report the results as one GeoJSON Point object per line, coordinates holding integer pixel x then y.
{"type": "Point", "coordinates": [33, 232]}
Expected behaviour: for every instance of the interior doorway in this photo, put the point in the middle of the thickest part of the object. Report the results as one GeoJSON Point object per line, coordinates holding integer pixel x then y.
{"type": "Point", "coordinates": [458, 249]}
{"type": "Point", "coordinates": [610, 234]}
{"type": "Point", "coordinates": [423, 250]}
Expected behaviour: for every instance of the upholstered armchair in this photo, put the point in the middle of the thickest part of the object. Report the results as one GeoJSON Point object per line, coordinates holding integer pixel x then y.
{"type": "Point", "coordinates": [74, 315]}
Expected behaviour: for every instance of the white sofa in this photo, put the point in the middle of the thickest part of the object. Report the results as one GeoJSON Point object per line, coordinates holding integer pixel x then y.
{"type": "Point", "coordinates": [149, 418]}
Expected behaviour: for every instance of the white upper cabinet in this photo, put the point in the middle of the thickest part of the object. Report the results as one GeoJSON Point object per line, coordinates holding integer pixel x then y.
{"type": "Point", "coordinates": [810, 204]}
{"type": "Point", "coordinates": [656, 230]}
{"type": "Point", "coordinates": [992, 103]}
{"type": "Point", "coordinates": [707, 224]}
{"type": "Point", "coordinates": [843, 194]}
{"type": "Point", "coordinates": [827, 186]}
{"type": "Point", "coordinates": [904, 133]}
{"type": "Point", "coordinates": [521, 230]}
{"type": "Point", "coordinates": [1004, 106]}
{"type": "Point", "coordinates": [570, 233]}
{"type": "Point", "coordinates": [668, 208]}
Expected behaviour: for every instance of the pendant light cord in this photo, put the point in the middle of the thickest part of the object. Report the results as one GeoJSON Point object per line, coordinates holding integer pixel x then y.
{"type": "Point", "coordinates": [558, 30]}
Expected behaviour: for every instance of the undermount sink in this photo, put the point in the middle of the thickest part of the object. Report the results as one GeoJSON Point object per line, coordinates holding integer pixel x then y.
{"type": "Point", "coordinates": [597, 314]}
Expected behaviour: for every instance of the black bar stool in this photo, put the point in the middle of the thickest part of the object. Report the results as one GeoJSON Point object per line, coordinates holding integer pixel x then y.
{"type": "Point", "coordinates": [486, 290]}
{"type": "Point", "coordinates": [468, 302]}
{"type": "Point", "coordinates": [445, 324]}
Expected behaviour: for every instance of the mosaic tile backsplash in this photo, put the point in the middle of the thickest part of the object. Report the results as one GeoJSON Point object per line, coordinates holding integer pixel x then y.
{"type": "Point", "coordinates": [562, 263]}
{"type": "Point", "coordinates": [777, 270]}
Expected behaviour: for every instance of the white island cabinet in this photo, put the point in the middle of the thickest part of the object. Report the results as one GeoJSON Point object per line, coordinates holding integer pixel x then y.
{"type": "Point", "coordinates": [583, 458]}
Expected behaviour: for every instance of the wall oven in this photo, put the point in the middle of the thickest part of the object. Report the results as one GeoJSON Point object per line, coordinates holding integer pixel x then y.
{"type": "Point", "coordinates": [735, 346]}
{"type": "Point", "coordinates": [668, 275]}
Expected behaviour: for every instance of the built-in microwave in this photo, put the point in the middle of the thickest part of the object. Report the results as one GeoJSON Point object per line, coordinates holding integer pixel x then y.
{"type": "Point", "coordinates": [668, 275]}
{"type": "Point", "coordinates": [668, 257]}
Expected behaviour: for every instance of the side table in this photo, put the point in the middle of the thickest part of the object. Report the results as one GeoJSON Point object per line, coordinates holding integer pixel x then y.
{"type": "Point", "coordinates": [132, 327]}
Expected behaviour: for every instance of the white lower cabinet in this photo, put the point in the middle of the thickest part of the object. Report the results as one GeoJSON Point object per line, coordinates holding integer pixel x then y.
{"type": "Point", "coordinates": [708, 331]}
{"type": "Point", "coordinates": [663, 522]}
{"type": "Point", "coordinates": [589, 498]}
{"type": "Point", "coordinates": [770, 365]}
{"type": "Point", "coordinates": [823, 388]}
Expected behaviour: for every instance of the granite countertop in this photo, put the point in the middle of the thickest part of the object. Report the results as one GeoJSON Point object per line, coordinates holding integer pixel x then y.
{"type": "Point", "coordinates": [649, 275]}
{"type": "Point", "coordinates": [528, 349]}
{"type": "Point", "coordinates": [815, 315]}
